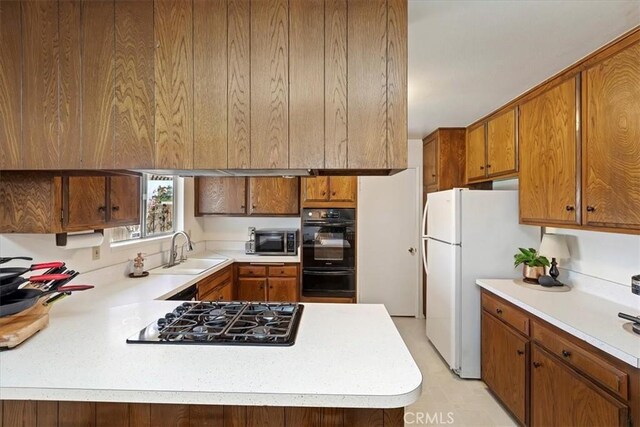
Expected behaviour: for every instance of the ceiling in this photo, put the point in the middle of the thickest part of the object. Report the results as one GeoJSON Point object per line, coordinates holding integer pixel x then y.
{"type": "Point", "coordinates": [468, 58]}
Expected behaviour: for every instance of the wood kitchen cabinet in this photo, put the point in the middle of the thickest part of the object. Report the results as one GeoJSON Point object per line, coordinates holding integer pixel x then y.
{"type": "Point", "coordinates": [220, 196]}
{"type": "Point", "coordinates": [611, 142]}
{"type": "Point", "coordinates": [548, 157]}
{"type": "Point", "coordinates": [268, 281]}
{"type": "Point", "coordinates": [197, 85]}
{"type": "Point", "coordinates": [273, 196]}
{"type": "Point", "coordinates": [443, 159]}
{"type": "Point", "coordinates": [476, 154]}
{"type": "Point", "coordinates": [329, 191]}
{"type": "Point", "coordinates": [217, 287]}
{"type": "Point", "coordinates": [46, 202]}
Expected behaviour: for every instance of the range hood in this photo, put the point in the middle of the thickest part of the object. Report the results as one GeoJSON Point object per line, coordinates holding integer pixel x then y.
{"type": "Point", "coordinates": [231, 172]}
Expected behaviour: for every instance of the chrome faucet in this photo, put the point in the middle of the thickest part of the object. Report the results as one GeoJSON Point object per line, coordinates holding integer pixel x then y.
{"type": "Point", "coordinates": [173, 254]}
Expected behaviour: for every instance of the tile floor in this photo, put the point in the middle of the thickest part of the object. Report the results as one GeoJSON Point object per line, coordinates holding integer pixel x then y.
{"type": "Point", "coordinates": [446, 399]}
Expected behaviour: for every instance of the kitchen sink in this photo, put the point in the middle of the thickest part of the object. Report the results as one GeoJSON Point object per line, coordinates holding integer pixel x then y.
{"type": "Point", "coordinates": [192, 266]}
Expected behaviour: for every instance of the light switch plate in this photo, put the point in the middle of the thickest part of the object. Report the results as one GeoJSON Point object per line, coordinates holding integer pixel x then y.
{"type": "Point", "coordinates": [95, 253]}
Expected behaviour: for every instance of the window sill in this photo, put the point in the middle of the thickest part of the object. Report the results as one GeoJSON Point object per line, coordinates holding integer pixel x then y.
{"type": "Point", "coordinates": [128, 244]}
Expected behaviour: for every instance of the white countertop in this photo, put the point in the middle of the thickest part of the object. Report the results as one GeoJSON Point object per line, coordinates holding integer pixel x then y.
{"type": "Point", "coordinates": [586, 316]}
{"type": "Point", "coordinates": [345, 355]}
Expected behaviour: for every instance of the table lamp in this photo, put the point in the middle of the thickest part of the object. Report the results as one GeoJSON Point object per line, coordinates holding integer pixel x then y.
{"type": "Point", "coordinates": [554, 246]}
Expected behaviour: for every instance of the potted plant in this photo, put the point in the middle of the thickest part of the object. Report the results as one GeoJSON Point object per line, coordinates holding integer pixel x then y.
{"type": "Point", "coordinates": [534, 264]}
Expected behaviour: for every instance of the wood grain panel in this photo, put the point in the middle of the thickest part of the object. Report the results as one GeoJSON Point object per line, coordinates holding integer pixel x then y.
{"type": "Point", "coordinates": [430, 162]}
{"type": "Point", "coordinates": [335, 84]}
{"type": "Point", "coordinates": [112, 414]}
{"type": "Point", "coordinates": [548, 157]}
{"type": "Point", "coordinates": [451, 158]}
{"type": "Point", "coordinates": [134, 75]}
{"type": "Point", "coordinates": [206, 416]}
{"type": "Point", "coordinates": [394, 417]}
{"type": "Point", "coordinates": [501, 144]}
{"type": "Point", "coordinates": [361, 417]}
{"type": "Point", "coordinates": [40, 84]}
{"type": "Point", "coordinates": [70, 83]}
{"type": "Point", "coordinates": [235, 416]}
{"type": "Point", "coordinates": [76, 414]}
{"type": "Point", "coordinates": [173, 27]}
{"type": "Point", "coordinates": [315, 189]}
{"type": "Point", "coordinates": [210, 84]}
{"type": "Point", "coordinates": [169, 415]}
{"type": "Point", "coordinates": [273, 196]}
{"type": "Point", "coordinates": [124, 200]}
{"type": "Point", "coordinates": [220, 195]}
{"type": "Point", "coordinates": [19, 413]}
{"type": "Point", "coordinates": [283, 289]}
{"type": "Point", "coordinates": [10, 85]}
{"type": "Point", "coordinates": [307, 417]}
{"type": "Point", "coordinates": [252, 289]}
{"type": "Point", "coordinates": [85, 205]}
{"type": "Point", "coordinates": [26, 203]}
{"type": "Point", "coordinates": [397, 37]}
{"type": "Point", "coordinates": [611, 138]}
{"type": "Point", "coordinates": [367, 83]}
{"type": "Point", "coordinates": [476, 154]}
{"type": "Point", "coordinates": [332, 417]}
{"type": "Point", "coordinates": [269, 84]}
{"type": "Point", "coordinates": [139, 415]}
{"type": "Point", "coordinates": [47, 413]}
{"type": "Point", "coordinates": [98, 84]}
{"type": "Point", "coordinates": [343, 188]}
{"type": "Point", "coordinates": [239, 84]}
{"type": "Point", "coordinates": [306, 84]}
{"type": "Point", "coordinates": [265, 416]}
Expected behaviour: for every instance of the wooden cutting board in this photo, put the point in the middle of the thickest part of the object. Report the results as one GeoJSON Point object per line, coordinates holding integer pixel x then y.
{"type": "Point", "coordinates": [19, 327]}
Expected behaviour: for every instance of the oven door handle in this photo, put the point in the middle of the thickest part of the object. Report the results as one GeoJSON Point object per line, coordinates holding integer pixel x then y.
{"type": "Point", "coordinates": [328, 273]}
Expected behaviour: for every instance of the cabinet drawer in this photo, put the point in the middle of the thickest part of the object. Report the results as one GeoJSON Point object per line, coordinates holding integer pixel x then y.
{"type": "Point", "coordinates": [509, 314]}
{"type": "Point", "coordinates": [593, 366]}
{"type": "Point", "coordinates": [252, 271]}
{"type": "Point", "coordinates": [206, 285]}
{"type": "Point", "coordinates": [283, 271]}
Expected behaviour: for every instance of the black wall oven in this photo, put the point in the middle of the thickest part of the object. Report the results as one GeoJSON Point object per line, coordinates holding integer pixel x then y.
{"type": "Point", "coordinates": [329, 253]}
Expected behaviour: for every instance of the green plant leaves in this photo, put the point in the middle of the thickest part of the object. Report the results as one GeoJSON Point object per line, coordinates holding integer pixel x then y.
{"type": "Point", "coordinates": [531, 258]}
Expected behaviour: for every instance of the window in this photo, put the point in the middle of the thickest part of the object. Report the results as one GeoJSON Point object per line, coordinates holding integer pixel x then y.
{"type": "Point", "coordinates": [158, 210]}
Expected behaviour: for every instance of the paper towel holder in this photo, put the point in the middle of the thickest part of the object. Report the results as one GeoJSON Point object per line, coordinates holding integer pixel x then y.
{"type": "Point", "coordinates": [61, 238]}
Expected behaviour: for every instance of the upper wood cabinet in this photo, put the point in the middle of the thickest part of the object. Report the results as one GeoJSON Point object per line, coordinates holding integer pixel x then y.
{"type": "Point", "coordinates": [611, 142]}
{"type": "Point", "coordinates": [204, 84]}
{"type": "Point", "coordinates": [230, 196]}
{"type": "Point", "coordinates": [443, 159]}
{"type": "Point", "coordinates": [329, 191]}
{"type": "Point", "coordinates": [48, 202]}
{"type": "Point", "coordinates": [548, 157]}
{"type": "Point", "coordinates": [476, 154]}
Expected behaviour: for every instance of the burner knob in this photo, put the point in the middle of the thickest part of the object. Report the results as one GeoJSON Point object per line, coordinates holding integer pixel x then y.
{"type": "Point", "coordinates": [162, 322]}
{"type": "Point", "coordinates": [186, 305]}
{"type": "Point", "coordinates": [170, 317]}
{"type": "Point", "coordinates": [179, 310]}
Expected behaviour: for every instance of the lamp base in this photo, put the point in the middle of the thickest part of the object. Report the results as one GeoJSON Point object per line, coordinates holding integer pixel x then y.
{"type": "Point", "coordinates": [553, 271]}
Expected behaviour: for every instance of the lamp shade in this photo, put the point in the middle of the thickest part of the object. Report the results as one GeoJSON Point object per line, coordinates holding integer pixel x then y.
{"type": "Point", "coordinates": [554, 246]}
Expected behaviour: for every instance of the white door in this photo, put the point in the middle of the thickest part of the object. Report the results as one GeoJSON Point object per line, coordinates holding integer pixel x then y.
{"type": "Point", "coordinates": [388, 239]}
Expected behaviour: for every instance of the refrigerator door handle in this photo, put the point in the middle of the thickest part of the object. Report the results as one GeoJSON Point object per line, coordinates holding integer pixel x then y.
{"type": "Point", "coordinates": [424, 256]}
{"type": "Point", "coordinates": [424, 218]}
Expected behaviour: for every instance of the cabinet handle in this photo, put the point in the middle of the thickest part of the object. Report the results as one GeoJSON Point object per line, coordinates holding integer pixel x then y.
{"type": "Point", "coordinates": [488, 166]}
{"type": "Point", "coordinates": [566, 353]}
{"type": "Point", "coordinates": [270, 287]}
{"type": "Point", "coordinates": [520, 352]}
{"type": "Point", "coordinates": [333, 193]}
{"type": "Point", "coordinates": [499, 311]}
{"type": "Point", "coordinates": [591, 208]}
{"type": "Point", "coordinates": [537, 364]}
{"type": "Point", "coordinates": [481, 167]}
{"type": "Point", "coordinates": [241, 206]}
{"type": "Point", "coordinates": [433, 175]}
{"type": "Point", "coordinates": [102, 208]}
{"type": "Point", "coordinates": [569, 208]}
{"type": "Point", "coordinates": [324, 193]}
{"type": "Point", "coordinates": [115, 208]}
{"type": "Point", "coordinates": [253, 206]}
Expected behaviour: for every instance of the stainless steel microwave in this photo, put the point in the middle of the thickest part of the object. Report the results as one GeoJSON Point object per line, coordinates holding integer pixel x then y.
{"type": "Point", "coordinates": [273, 241]}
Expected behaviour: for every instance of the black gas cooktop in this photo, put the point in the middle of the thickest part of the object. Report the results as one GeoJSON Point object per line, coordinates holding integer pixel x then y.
{"type": "Point", "coordinates": [225, 323]}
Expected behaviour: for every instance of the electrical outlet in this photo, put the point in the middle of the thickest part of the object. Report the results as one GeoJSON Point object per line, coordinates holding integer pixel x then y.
{"type": "Point", "coordinates": [95, 253]}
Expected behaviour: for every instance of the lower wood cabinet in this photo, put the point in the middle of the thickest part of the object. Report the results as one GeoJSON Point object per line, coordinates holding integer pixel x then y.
{"type": "Point", "coordinates": [217, 287]}
{"type": "Point", "coordinates": [268, 282]}
{"type": "Point", "coordinates": [547, 377]}
{"type": "Point", "coordinates": [504, 364]}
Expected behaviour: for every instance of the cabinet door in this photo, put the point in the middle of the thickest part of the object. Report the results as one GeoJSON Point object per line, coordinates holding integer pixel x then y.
{"type": "Point", "coordinates": [315, 189]}
{"type": "Point", "coordinates": [252, 289]}
{"type": "Point", "coordinates": [611, 135]}
{"type": "Point", "coordinates": [124, 194]}
{"type": "Point", "coordinates": [343, 188]}
{"type": "Point", "coordinates": [501, 144]}
{"type": "Point", "coordinates": [10, 86]}
{"type": "Point", "coordinates": [429, 158]}
{"type": "Point", "coordinates": [226, 292]}
{"type": "Point", "coordinates": [283, 289]}
{"type": "Point", "coordinates": [476, 151]}
{"type": "Point", "coordinates": [84, 203]}
{"type": "Point", "coordinates": [548, 157]}
{"type": "Point", "coordinates": [220, 196]}
{"type": "Point", "coordinates": [273, 196]}
{"type": "Point", "coordinates": [504, 364]}
{"type": "Point", "coordinates": [561, 397]}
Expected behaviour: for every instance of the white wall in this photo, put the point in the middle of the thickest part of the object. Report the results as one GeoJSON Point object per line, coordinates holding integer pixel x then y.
{"type": "Point", "coordinates": [42, 247]}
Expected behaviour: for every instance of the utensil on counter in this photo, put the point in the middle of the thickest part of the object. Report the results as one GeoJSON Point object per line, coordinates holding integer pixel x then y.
{"type": "Point", "coordinates": [7, 273]}
{"type": "Point", "coordinates": [9, 286]}
{"type": "Point", "coordinates": [23, 299]}
{"type": "Point", "coordinates": [11, 258]}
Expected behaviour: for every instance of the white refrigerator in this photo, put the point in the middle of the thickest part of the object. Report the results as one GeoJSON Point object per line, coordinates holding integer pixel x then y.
{"type": "Point", "coordinates": [467, 235]}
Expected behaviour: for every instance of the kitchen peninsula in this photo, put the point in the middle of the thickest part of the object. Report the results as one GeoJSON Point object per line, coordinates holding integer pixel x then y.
{"type": "Point", "coordinates": [345, 356]}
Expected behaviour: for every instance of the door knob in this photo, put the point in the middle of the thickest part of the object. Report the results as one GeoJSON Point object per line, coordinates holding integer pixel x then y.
{"type": "Point", "coordinates": [412, 250]}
